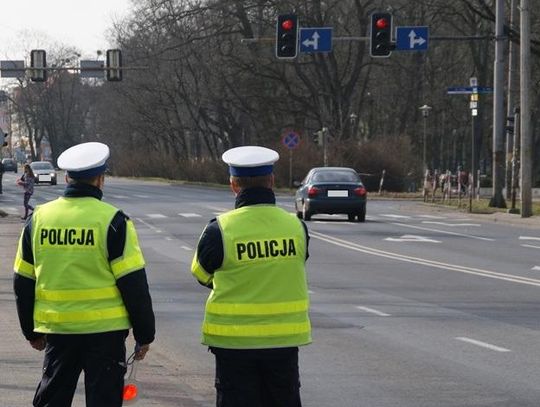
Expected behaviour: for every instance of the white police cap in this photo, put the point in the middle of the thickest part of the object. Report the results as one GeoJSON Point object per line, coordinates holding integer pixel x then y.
{"type": "Point", "coordinates": [250, 161]}
{"type": "Point", "coordinates": [84, 160]}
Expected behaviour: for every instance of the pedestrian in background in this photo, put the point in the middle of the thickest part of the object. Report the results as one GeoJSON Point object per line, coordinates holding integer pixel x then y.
{"type": "Point", "coordinates": [80, 285]}
{"type": "Point", "coordinates": [27, 181]}
{"type": "Point", "coordinates": [253, 259]}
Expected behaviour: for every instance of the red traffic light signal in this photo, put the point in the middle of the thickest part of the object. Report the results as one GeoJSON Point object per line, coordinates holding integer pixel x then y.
{"type": "Point", "coordinates": [287, 25]}
{"type": "Point", "coordinates": [287, 36]}
{"type": "Point", "coordinates": [382, 23]}
{"type": "Point", "coordinates": [381, 35]}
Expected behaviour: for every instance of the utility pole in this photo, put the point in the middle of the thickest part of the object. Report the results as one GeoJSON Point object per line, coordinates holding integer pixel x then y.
{"type": "Point", "coordinates": [525, 108]}
{"type": "Point", "coordinates": [512, 87]}
{"type": "Point", "coordinates": [498, 170]}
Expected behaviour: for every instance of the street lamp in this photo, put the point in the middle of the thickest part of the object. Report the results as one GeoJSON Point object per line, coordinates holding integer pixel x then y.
{"type": "Point", "coordinates": [425, 113]}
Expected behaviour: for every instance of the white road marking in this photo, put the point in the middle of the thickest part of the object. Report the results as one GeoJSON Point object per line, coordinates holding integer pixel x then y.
{"type": "Point", "coordinates": [450, 224]}
{"type": "Point", "coordinates": [431, 217]}
{"type": "Point", "coordinates": [374, 311]}
{"type": "Point", "coordinates": [311, 292]}
{"type": "Point", "coordinates": [142, 196]}
{"type": "Point", "coordinates": [148, 225]}
{"type": "Point", "coordinates": [412, 238]}
{"type": "Point", "coordinates": [120, 196]}
{"type": "Point", "coordinates": [217, 209]}
{"type": "Point", "coordinates": [528, 238]}
{"type": "Point", "coordinates": [397, 216]}
{"type": "Point", "coordinates": [425, 262]}
{"type": "Point", "coordinates": [530, 246]}
{"type": "Point", "coordinates": [169, 238]}
{"type": "Point", "coordinates": [186, 248]}
{"type": "Point", "coordinates": [190, 215]}
{"type": "Point", "coordinates": [482, 344]}
{"type": "Point", "coordinates": [155, 215]}
{"type": "Point", "coordinates": [445, 232]}
{"type": "Point", "coordinates": [11, 209]}
{"type": "Point", "coordinates": [536, 268]}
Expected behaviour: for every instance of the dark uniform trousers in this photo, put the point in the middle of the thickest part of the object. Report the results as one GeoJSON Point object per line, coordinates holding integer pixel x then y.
{"type": "Point", "coordinates": [257, 377]}
{"type": "Point", "coordinates": [101, 356]}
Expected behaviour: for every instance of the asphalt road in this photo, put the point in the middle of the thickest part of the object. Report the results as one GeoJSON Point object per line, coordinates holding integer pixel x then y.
{"type": "Point", "coordinates": [413, 308]}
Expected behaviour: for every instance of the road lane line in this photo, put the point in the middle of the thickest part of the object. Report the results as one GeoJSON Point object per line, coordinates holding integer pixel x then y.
{"type": "Point", "coordinates": [530, 246]}
{"type": "Point", "coordinates": [528, 238]}
{"type": "Point", "coordinates": [190, 215]}
{"type": "Point", "coordinates": [186, 248]}
{"type": "Point", "coordinates": [444, 232]}
{"type": "Point", "coordinates": [430, 263]}
{"type": "Point", "coordinates": [142, 196]}
{"type": "Point", "coordinates": [482, 344]}
{"type": "Point", "coordinates": [536, 268]}
{"type": "Point", "coordinates": [155, 215]}
{"type": "Point", "coordinates": [373, 311]}
{"type": "Point", "coordinates": [451, 224]}
{"type": "Point", "coordinates": [396, 216]}
{"type": "Point", "coordinates": [148, 225]}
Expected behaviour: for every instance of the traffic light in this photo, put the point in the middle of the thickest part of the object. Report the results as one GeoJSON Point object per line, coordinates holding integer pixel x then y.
{"type": "Point", "coordinates": [287, 36]}
{"type": "Point", "coordinates": [318, 137]}
{"type": "Point", "coordinates": [38, 63]}
{"type": "Point", "coordinates": [510, 125]}
{"type": "Point", "coordinates": [381, 35]}
{"type": "Point", "coordinates": [114, 65]}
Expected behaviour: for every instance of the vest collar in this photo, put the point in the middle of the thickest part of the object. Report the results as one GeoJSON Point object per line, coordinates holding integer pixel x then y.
{"type": "Point", "coordinates": [79, 190]}
{"type": "Point", "coordinates": [254, 196]}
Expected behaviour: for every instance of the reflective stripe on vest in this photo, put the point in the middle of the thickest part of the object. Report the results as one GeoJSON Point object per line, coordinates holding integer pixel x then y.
{"type": "Point", "coordinates": [260, 298]}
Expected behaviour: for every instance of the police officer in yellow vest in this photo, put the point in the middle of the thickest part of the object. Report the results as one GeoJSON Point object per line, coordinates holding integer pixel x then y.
{"type": "Point", "coordinates": [80, 285]}
{"type": "Point", "coordinates": [253, 259]}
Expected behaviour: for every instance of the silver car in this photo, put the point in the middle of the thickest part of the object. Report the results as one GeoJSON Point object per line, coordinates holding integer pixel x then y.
{"type": "Point", "coordinates": [44, 172]}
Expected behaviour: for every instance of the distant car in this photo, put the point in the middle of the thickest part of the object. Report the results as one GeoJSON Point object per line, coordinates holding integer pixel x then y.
{"type": "Point", "coordinates": [44, 172]}
{"type": "Point", "coordinates": [331, 190]}
{"type": "Point", "coordinates": [9, 164]}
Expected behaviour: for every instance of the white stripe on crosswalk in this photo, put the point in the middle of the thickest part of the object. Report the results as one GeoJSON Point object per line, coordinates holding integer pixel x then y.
{"type": "Point", "coordinates": [156, 215]}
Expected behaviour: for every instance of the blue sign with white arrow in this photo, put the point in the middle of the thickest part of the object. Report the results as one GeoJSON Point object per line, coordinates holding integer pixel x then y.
{"type": "Point", "coordinates": [316, 39]}
{"type": "Point", "coordinates": [412, 38]}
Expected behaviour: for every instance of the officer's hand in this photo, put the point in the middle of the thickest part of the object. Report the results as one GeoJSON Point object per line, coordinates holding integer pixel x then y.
{"type": "Point", "coordinates": [39, 343]}
{"type": "Point", "coordinates": [140, 353]}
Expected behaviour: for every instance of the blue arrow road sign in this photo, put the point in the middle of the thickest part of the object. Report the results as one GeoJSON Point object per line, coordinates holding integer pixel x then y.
{"type": "Point", "coordinates": [412, 38]}
{"type": "Point", "coordinates": [316, 39]}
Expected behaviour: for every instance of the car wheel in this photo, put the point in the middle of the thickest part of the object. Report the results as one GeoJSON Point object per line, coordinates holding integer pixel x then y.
{"type": "Point", "coordinates": [53, 182]}
{"type": "Point", "coordinates": [305, 213]}
{"type": "Point", "coordinates": [362, 215]}
{"type": "Point", "coordinates": [298, 213]}
{"type": "Point", "coordinates": [351, 217]}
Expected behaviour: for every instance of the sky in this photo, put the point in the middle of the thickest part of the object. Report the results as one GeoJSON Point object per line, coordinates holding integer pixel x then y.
{"type": "Point", "coordinates": [35, 24]}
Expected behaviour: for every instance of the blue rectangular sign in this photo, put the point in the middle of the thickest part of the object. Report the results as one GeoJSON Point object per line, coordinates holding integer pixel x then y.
{"type": "Point", "coordinates": [467, 90]}
{"type": "Point", "coordinates": [318, 39]}
{"type": "Point", "coordinates": [412, 38]}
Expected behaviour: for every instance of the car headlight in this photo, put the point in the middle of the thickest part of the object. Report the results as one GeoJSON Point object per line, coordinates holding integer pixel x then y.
{"type": "Point", "coordinates": [53, 175]}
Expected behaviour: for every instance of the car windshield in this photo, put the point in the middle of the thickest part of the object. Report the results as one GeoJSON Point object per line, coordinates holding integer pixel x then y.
{"type": "Point", "coordinates": [335, 176]}
{"type": "Point", "coordinates": [42, 166]}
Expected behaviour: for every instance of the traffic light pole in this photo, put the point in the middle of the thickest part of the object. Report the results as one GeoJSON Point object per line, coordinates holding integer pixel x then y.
{"type": "Point", "coordinates": [525, 110]}
{"type": "Point", "coordinates": [497, 198]}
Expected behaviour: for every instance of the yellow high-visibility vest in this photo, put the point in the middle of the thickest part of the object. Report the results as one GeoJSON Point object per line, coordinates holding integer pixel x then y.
{"type": "Point", "coordinates": [259, 297]}
{"type": "Point", "coordinates": [76, 288]}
